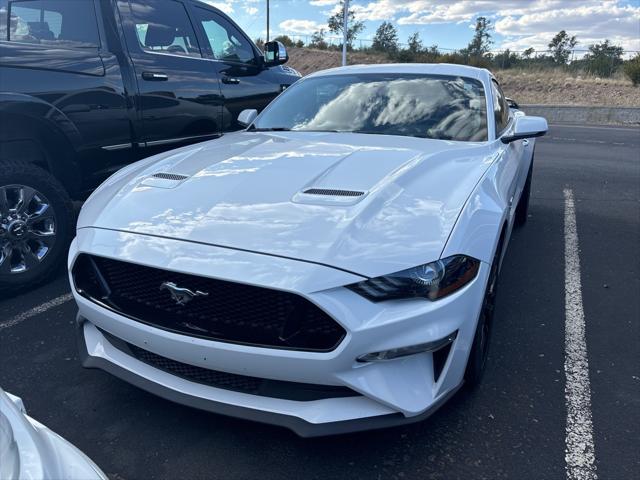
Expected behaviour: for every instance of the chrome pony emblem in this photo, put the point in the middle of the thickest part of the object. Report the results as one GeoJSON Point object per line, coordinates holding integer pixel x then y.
{"type": "Point", "coordinates": [180, 295]}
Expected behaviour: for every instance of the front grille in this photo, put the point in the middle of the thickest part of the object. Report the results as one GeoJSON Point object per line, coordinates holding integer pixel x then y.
{"type": "Point", "coordinates": [334, 192]}
{"type": "Point", "coordinates": [302, 392]}
{"type": "Point", "coordinates": [212, 309]}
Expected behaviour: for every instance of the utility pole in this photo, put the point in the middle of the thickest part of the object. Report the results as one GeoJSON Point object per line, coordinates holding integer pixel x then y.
{"type": "Point", "coordinates": [267, 20]}
{"type": "Point", "coordinates": [344, 32]}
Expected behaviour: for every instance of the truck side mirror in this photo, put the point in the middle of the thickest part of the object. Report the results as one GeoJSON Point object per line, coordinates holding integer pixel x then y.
{"type": "Point", "coordinates": [275, 53]}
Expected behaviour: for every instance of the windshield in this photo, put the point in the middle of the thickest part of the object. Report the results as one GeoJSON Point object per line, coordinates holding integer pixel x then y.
{"type": "Point", "coordinates": [427, 106]}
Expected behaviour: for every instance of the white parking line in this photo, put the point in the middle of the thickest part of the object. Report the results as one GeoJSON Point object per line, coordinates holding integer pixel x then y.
{"type": "Point", "coordinates": [579, 448]}
{"type": "Point", "coordinates": [21, 317]}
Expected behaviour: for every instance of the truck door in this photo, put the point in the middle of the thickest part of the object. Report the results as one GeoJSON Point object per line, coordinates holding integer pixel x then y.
{"type": "Point", "coordinates": [179, 93]}
{"type": "Point", "coordinates": [53, 52]}
{"type": "Point", "coordinates": [245, 83]}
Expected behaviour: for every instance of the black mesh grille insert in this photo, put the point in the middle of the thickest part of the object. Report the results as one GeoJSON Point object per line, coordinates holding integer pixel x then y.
{"type": "Point", "coordinates": [229, 381]}
{"type": "Point", "coordinates": [169, 176]}
{"type": "Point", "coordinates": [220, 310]}
{"type": "Point", "coordinates": [334, 192]}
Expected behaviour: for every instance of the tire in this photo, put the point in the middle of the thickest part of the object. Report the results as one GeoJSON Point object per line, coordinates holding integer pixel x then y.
{"type": "Point", "coordinates": [522, 210]}
{"type": "Point", "coordinates": [481, 340]}
{"type": "Point", "coordinates": [34, 234]}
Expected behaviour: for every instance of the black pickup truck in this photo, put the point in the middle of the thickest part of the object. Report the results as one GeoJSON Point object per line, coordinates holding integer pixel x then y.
{"type": "Point", "coordinates": [87, 86]}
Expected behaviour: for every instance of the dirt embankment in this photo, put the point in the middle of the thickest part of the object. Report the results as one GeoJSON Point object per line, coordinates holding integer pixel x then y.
{"type": "Point", "coordinates": [524, 86]}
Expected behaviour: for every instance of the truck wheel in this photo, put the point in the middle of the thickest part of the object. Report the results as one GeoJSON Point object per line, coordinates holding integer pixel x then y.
{"type": "Point", "coordinates": [36, 225]}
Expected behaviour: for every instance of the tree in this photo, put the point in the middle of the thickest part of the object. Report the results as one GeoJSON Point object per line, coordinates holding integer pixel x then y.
{"type": "Point", "coordinates": [632, 70]}
{"type": "Point", "coordinates": [285, 40]}
{"type": "Point", "coordinates": [415, 43]}
{"type": "Point", "coordinates": [603, 58]}
{"type": "Point", "coordinates": [318, 41]}
{"type": "Point", "coordinates": [561, 46]}
{"type": "Point", "coordinates": [479, 45]}
{"type": "Point", "coordinates": [527, 53]}
{"type": "Point", "coordinates": [336, 24]}
{"type": "Point", "coordinates": [386, 38]}
{"type": "Point", "coordinates": [506, 59]}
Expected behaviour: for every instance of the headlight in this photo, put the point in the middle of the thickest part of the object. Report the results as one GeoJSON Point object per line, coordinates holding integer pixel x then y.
{"type": "Point", "coordinates": [433, 280]}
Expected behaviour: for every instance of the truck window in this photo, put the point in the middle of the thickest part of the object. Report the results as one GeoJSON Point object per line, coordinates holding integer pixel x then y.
{"type": "Point", "coordinates": [226, 42]}
{"type": "Point", "coordinates": [59, 23]}
{"type": "Point", "coordinates": [163, 26]}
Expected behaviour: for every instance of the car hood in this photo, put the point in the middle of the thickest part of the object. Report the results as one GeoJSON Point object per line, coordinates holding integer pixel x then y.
{"type": "Point", "coordinates": [381, 203]}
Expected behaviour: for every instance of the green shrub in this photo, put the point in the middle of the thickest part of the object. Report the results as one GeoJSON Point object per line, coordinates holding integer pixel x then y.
{"type": "Point", "coordinates": [632, 69]}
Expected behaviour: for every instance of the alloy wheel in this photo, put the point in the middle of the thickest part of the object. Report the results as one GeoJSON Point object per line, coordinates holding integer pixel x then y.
{"type": "Point", "coordinates": [27, 228]}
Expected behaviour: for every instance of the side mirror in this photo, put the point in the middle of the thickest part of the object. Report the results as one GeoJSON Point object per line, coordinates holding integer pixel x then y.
{"type": "Point", "coordinates": [275, 53]}
{"type": "Point", "coordinates": [247, 117]}
{"type": "Point", "coordinates": [526, 127]}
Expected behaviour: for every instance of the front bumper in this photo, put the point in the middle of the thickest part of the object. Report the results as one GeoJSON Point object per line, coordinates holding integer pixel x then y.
{"type": "Point", "coordinates": [388, 393]}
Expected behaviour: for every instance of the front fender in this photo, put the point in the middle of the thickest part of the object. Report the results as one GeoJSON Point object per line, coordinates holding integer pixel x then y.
{"type": "Point", "coordinates": [17, 106]}
{"type": "Point", "coordinates": [478, 228]}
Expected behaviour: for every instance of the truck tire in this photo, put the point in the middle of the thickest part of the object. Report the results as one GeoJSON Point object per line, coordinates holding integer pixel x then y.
{"type": "Point", "coordinates": [36, 226]}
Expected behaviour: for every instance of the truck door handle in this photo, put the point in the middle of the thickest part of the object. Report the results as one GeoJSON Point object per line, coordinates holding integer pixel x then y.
{"type": "Point", "coordinates": [230, 80]}
{"type": "Point", "coordinates": [155, 76]}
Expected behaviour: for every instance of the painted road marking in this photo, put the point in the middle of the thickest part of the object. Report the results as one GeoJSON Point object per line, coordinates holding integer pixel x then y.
{"type": "Point", "coordinates": [579, 448]}
{"type": "Point", "coordinates": [21, 317]}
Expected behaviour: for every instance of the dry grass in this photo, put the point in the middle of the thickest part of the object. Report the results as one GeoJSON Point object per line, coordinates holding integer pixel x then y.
{"type": "Point", "coordinates": [552, 87]}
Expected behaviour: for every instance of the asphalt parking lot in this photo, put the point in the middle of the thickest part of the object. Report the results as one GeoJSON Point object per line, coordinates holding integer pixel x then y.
{"type": "Point", "coordinates": [514, 426]}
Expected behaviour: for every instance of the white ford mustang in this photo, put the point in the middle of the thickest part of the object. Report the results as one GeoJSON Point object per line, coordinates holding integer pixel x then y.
{"type": "Point", "coordinates": [331, 268]}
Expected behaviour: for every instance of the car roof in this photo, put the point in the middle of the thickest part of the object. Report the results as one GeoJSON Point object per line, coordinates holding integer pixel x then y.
{"type": "Point", "coordinates": [412, 68]}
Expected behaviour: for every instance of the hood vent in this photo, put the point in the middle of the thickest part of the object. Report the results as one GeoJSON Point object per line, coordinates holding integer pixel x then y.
{"type": "Point", "coordinates": [164, 180]}
{"type": "Point", "coordinates": [169, 176]}
{"type": "Point", "coordinates": [333, 192]}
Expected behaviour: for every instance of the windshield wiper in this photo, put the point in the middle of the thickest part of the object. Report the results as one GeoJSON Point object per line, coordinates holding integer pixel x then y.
{"type": "Point", "coordinates": [286, 129]}
{"type": "Point", "coordinates": [271, 129]}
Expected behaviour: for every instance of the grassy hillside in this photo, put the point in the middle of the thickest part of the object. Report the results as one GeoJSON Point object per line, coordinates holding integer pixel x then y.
{"type": "Point", "coordinates": [554, 87]}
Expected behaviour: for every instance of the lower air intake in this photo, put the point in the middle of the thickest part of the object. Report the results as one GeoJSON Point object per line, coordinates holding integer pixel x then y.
{"type": "Point", "coordinates": [301, 392]}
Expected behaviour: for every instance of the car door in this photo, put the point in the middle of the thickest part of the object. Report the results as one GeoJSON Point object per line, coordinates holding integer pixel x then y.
{"type": "Point", "coordinates": [179, 94]}
{"type": "Point", "coordinates": [245, 82]}
{"type": "Point", "coordinates": [513, 164]}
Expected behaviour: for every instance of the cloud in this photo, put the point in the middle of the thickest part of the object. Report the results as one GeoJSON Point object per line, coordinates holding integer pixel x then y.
{"type": "Point", "coordinates": [323, 3]}
{"type": "Point", "coordinates": [251, 10]}
{"type": "Point", "coordinates": [520, 23]}
{"type": "Point", "coordinates": [374, 11]}
{"type": "Point", "coordinates": [226, 7]}
{"type": "Point", "coordinates": [590, 23]}
{"type": "Point", "coordinates": [305, 27]}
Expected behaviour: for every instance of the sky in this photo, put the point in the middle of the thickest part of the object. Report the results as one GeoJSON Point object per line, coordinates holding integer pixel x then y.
{"type": "Point", "coordinates": [519, 24]}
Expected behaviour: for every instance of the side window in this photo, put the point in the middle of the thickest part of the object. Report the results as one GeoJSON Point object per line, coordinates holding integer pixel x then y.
{"type": "Point", "coordinates": [226, 42]}
{"type": "Point", "coordinates": [500, 108]}
{"type": "Point", "coordinates": [163, 26]}
{"type": "Point", "coordinates": [60, 23]}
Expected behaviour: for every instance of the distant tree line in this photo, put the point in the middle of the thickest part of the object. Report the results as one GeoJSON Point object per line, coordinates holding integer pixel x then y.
{"type": "Point", "coordinates": [603, 59]}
